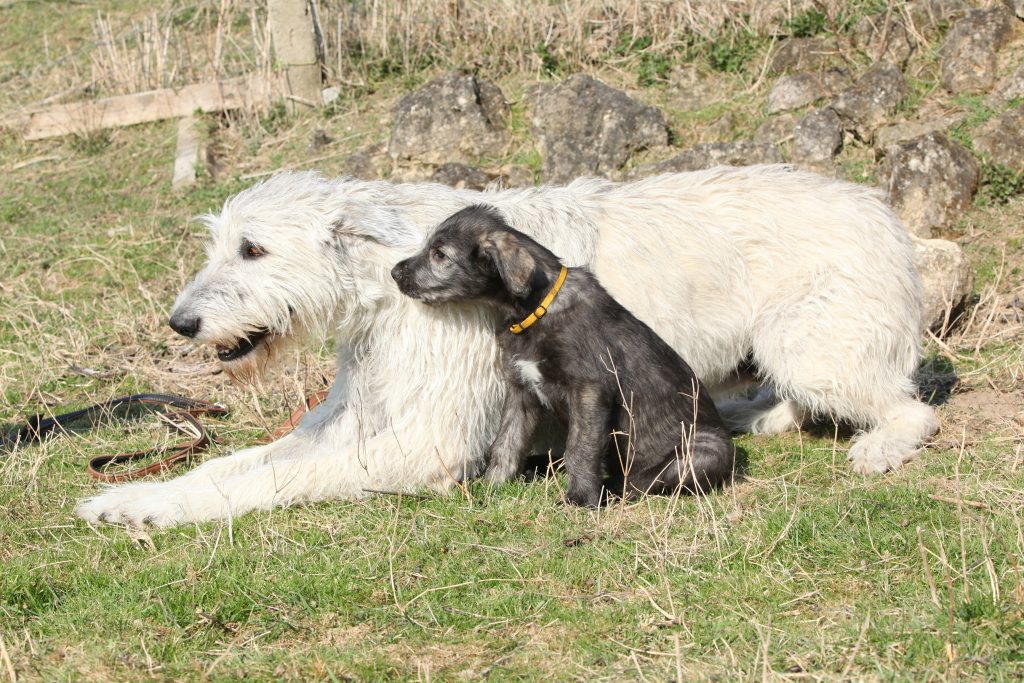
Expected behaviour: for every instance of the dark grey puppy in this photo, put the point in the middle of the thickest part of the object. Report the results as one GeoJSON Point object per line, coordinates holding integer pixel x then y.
{"type": "Point", "coordinates": [634, 409]}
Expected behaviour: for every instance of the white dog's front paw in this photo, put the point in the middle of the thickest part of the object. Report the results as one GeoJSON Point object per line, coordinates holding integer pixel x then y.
{"type": "Point", "coordinates": [872, 454]}
{"type": "Point", "coordinates": [159, 507]}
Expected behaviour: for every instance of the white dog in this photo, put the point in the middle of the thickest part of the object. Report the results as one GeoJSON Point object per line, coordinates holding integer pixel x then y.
{"type": "Point", "coordinates": [810, 281]}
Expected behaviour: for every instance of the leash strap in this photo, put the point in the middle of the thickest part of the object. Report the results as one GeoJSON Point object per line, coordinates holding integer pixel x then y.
{"type": "Point", "coordinates": [183, 419]}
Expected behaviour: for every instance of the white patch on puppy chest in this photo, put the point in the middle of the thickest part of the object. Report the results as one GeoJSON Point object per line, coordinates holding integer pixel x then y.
{"type": "Point", "coordinates": [529, 373]}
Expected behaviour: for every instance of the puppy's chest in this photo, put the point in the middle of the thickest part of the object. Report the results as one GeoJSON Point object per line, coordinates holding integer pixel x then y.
{"type": "Point", "coordinates": [527, 373]}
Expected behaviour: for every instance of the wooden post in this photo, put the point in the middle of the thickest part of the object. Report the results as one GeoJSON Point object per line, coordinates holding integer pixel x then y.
{"type": "Point", "coordinates": [291, 30]}
{"type": "Point", "coordinates": [187, 154]}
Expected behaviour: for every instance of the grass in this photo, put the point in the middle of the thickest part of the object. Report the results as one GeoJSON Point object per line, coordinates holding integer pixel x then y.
{"type": "Point", "coordinates": [801, 570]}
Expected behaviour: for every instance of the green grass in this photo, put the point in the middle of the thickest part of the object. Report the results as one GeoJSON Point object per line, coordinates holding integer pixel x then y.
{"type": "Point", "coordinates": [800, 570]}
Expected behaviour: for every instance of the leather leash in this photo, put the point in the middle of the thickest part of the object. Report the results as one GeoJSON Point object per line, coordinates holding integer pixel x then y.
{"type": "Point", "coordinates": [183, 419]}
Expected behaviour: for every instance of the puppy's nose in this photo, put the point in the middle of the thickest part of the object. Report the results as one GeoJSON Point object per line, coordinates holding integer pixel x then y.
{"type": "Point", "coordinates": [398, 272]}
{"type": "Point", "coordinates": [185, 324]}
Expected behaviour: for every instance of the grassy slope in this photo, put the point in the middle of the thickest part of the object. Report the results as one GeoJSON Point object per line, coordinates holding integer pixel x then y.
{"type": "Point", "coordinates": [803, 569]}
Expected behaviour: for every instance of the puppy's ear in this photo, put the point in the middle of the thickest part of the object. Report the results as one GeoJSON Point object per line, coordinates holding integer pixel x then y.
{"type": "Point", "coordinates": [515, 265]}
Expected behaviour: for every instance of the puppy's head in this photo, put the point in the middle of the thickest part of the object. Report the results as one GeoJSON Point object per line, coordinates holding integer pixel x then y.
{"type": "Point", "coordinates": [473, 254]}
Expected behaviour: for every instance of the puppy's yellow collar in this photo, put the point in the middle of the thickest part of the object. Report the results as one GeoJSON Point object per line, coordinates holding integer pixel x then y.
{"type": "Point", "coordinates": [543, 308]}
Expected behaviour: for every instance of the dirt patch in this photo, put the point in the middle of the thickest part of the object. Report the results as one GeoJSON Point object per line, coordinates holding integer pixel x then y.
{"type": "Point", "coordinates": [982, 412]}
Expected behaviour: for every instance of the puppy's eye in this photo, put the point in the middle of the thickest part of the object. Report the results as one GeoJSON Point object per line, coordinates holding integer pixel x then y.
{"type": "Point", "coordinates": [252, 251]}
{"type": "Point", "coordinates": [437, 256]}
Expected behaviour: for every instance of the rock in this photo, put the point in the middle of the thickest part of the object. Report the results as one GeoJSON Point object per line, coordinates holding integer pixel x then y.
{"type": "Point", "coordinates": [585, 127]}
{"type": "Point", "coordinates": [741, 153]}
{"type": "Point", "coordinates": [721, 128]}
{"type": "Point", "coordinates": [931, 180]}
{"type": "Point", "coordinates": [818, 137]}
{"type": "Point", "coordinates": [908, 130]}
{"type": "Point", "coordinates": [456, 117]}
{"type": "Point", "coordinates": [1002, 139]}
{"type": "Point", "coordinates": [968, 55]}
{"type": "Point", "coordinates": [1015, 6]}
{"type": "Point", "coordinates": [460, 176]}
{"type": "Point", "coordinates": [777, 129]}
{"type": "Point", "coordinates": [946, 279]}
{"type": "Point", "coordinates": [370, 163]}
{"type": "Point", "coordinates": [800, 90]}
{"type": "Point", "coordinates": [890, 42]}
{"type": "Point", "coordinates": [871, 100]}
{"type": "Point", "coordinates": [1010, 87]}
{"type": "Point", "coordinates": [804, 54]}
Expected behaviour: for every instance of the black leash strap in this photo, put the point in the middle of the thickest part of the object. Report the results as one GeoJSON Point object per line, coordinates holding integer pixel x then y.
{"type": "Point", "coordinates": [182, 419]}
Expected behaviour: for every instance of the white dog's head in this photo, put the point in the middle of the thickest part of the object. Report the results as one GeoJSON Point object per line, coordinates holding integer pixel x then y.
{"type": "Point", "coordinates": [286, 258]}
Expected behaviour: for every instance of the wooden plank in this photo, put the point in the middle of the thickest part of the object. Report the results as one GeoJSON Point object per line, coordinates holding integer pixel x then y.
{"type": "Point", "coordinates": [186, 155]}
{"type": "Point", "coordinates": [291, 30]}
{"type": "Point", "coordinates": [154, 105]}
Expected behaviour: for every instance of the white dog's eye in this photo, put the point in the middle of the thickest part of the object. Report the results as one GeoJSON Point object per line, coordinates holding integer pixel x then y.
{"type": "Point", "coordinates": [437, 256]}
{"type": "Point", "coordinates": [252, 251]}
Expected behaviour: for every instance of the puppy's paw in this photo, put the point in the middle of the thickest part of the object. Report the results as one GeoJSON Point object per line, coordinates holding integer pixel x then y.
{"type": "Point", "coordinates": [583, 497]}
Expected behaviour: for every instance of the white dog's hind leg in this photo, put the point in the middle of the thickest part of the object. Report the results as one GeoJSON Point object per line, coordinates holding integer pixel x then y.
{"type": "Point", "coordinates": [764, 414]}
{"type": "Point", "coordinates": [895, 440]}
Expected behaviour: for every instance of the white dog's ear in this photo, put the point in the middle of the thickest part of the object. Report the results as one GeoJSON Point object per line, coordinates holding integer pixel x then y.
{"type": "Point", "coordinates": [381, 224]}
{"type": "Point", "coordinates": [515, 265]}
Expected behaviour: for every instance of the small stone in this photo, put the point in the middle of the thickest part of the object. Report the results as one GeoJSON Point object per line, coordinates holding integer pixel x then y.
{"type": "Point", "coordinates": [517, 176]}
{"type": "Point", "coordinates": [370, 163]}
{"type": "Point", "coordinates": [931, 181]}
{"type": "Point", "coordinates": [1010, 87]}
{"type": "Point", "coordinates": [708, 155]}
{"type": "Point", "coordinates": [804, 54]}
{"type": "Point", "coordinates": [585, 127]}
{"type": "Point", "coordinates": [968, 53]}
{"type": "Point", "coordinates": [689, 87]}
{"type": "Point", "coordinates": [800, 90]}
{"type": "Point", "coordinates": [319, 139]}
{"type": "Point", "coordinates": [932, 15]}
{"type": "Point", "coordinates": [460, 176]}
{"type": "Point", "coordinates": [777, 129]}
{"type": "Point", "coordinates": [1015, 6]}
{"type": "Point", "coordinates": [818, 137]}
{"type": "Point", "coordinates": [946, 281]}
{"type": "Point", "coordinates": [869, 102]}
{"type": "Point", "coordinates": [456, 117]}
{"type": "Point", "coordinates": [908, 130]}
{"type": "Point", "coordinates": [1002, 139]}
{"type": "Point", "coordinates": [881, 40]}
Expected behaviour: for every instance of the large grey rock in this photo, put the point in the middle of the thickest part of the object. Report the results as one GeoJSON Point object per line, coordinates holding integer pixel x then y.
{"type": "Point", "coordinates": [946, 279]}
{"type": "Point", "coordinates": [585, 127]}
{"type": "Point", "coordinates": [869, 102]}
{"type": "Point", "coordinates": [908, 130]}
{"type": "Point", "coordinates": [805, 54]}
{"type": "Point", "coordinates": [799, 90]}
{"type": "Point", "coordinates": [883, 36]}
{"type": "Point", "coordinates": [1002, 139]}
{"type": "Point", "coordinates": [968, 54]}
{"type": "Point", "coordinates": [456, 117]}
{"type": "Point", "coordinates": [817, 137]}
{"type": "Point", "coordinates": [460, 176]}
{"type": "Point", "coordinates": [931, 181]}
{"type": "Point", "coordinates": [742, 153]}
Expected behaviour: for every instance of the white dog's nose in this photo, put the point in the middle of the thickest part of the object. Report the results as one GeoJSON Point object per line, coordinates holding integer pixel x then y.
{"type": "Point", "coordinates": [185, 324]}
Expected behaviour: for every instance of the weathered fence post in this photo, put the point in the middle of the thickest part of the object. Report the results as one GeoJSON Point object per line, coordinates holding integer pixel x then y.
{"type": "Point", "coordinates": [291, 30]}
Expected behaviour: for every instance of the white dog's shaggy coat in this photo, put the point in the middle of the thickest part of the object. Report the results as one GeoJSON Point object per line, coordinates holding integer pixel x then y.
{"type": "Point", "coordinates": [810, 279]}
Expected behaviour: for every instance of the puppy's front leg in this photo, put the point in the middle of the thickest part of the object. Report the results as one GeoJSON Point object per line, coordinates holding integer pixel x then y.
{"type": "Point", "coordinates": [589, 433]}
{"type": "Point", "coordinates": [519, 417]}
